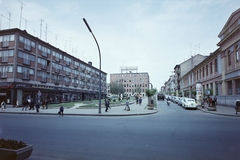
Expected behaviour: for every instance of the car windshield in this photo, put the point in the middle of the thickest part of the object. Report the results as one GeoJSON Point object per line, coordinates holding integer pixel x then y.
{"type": "Point", "coordinates": [190, 100]}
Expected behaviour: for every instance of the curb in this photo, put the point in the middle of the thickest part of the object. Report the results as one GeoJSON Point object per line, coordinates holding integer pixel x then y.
{"type": "Point", "coordinates": [71, 114]}
{"type": "Point", "coordinates": [216, 113]}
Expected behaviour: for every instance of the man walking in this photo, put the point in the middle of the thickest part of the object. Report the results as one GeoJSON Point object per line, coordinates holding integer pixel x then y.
{"type": "Point", "coordinates": [106, 104]}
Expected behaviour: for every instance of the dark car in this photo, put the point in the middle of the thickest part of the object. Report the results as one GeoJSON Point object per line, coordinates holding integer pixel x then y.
{"type": "Point", "coordinates": [160, 96]}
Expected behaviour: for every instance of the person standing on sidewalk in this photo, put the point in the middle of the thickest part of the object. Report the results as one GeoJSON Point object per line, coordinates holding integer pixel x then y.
{"type": "Point", "coordinates": [61, 110]}
{"type": "Point", "coordinates": [17, 103]}
{"type": "Point", "coordinates": [37, 105]}
{"type": "Point", "coordinates": [106, 104]}
{"type": "Point", "coordinates": [127, 108]}
{"type": "Point", "coordinates": [3, 105]}
{"type": "Point", "coordinates": [25, 105]}
{"type": "Point", "coordinates": [140, 101]}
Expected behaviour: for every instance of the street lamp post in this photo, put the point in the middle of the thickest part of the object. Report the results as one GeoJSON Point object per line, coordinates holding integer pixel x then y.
{"type": "Point", "coordinates": [99, 93]}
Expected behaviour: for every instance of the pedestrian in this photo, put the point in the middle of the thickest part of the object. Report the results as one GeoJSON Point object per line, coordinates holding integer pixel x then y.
{"type": "Point", "coordinates": [46, 103]}
{"type": "Point", "coordinates": [106, 105]}
{"type": "Point", "coordinates": [17, 103]}
{"type": "Point", "coordinates": [127, 108]}
{"type": "Point", "coordinates": [140, 101]}
{"type": "Point", "coordinates": [31, 105]}
{"type": "Point", "coordinates": [43, 104]}
{"type": "Point", "coordinates": [24, 105]}
{"type": "Point", "coordinates": [136, 99]}
{"type": "Point", "coordinates": [37, 105]}
{"type": "Point", "coordinates": [3, 105]}
{"type": "Point", "coordinates": [61, 110]}
{"type": "Point", "coordinates": [215, 99]}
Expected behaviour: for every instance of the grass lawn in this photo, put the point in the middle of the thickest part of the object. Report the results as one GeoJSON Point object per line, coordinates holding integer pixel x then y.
{"type": "Point", "coordinates": [93, 104]}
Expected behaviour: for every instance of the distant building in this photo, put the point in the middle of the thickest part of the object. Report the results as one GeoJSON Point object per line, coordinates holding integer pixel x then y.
{"type": "Point", "coordinates": [30, 67]}
{"type": "Point", "coordinates": [134, 82]}
{"type": "Point", "coordinates": [183, 68]}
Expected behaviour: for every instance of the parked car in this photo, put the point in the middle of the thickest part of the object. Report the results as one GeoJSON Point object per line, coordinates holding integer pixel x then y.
{"type": "Point", "coordinates": [189, 103]}
{"type": "Point", "coordinates": [160, 96]}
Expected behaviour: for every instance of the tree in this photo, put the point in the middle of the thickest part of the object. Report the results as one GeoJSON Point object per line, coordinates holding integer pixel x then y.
{"type": "Point", "coordinates": [116, 88]}
{"type": "Point", "coordinates": [138, 89]}
{"type": "Point", "coordinates": [150, 93]}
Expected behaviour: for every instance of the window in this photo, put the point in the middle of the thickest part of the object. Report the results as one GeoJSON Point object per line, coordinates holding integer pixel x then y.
{"type": "Point", "coordinates": [28, 44]}
{"type": "Point", "coordinates": [3, 70]}
{"type": "Point", "coordinates": [229, 58]}
{"type": "Point", "coordinates": [43, 63]}
{"type": "Point", "coordinates": [27, 58]}
{"type": "Point", "coordinates": [45, 50]}
{"type": "Point", "coordinates": [237, 82]}
{"type": "Point", "coordinates": [230, 88]}
{"type": "Point", "coordinates": [200, 72]}
{"type": "Point", "coordinates": [211, 67]}
{"type": "Point", "coordinates": [216, 65]}
{"type": "Point", "coordinates": [5, 39]}
{"type": "Point", "coordinates": [206, 70]}
{"type": "Point", "coordinates": [25, 73]}
{"type": "Point", "coordinates": [237, 53]}
{"type": "Point", "coordinates": [57, 55]}
{"type": "Point", "coordinates": [203, 72]}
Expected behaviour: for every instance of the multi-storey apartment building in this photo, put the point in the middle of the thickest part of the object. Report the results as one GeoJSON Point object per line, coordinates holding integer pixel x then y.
{"type": "Point", "coordinates": [31, 67]}
{"type": "Point", "coordinates": [183, 68]}
{"type": "Point", "coordinates": [134, 82]}
{"type": "Point", "coordinates": [220, 72]}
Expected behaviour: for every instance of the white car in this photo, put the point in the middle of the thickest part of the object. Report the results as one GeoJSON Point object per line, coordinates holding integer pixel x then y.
{"type": "Point", "coordinates": [189, 103]}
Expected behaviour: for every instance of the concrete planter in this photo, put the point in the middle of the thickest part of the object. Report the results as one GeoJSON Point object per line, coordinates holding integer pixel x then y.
{"type": "Point", "coordinates": [19, 154]}
{"type": "Point", "coordinates": [212, 108]}
{"type": "Point", "coordinates": [150, 106]}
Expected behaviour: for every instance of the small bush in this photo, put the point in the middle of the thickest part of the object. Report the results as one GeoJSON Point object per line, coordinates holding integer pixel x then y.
{"type": "Point", "coordinates": [11, 144]}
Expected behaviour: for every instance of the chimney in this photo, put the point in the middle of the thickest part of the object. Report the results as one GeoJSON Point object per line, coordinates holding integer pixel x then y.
{"type": "Point", "coordinates": [90, 63]}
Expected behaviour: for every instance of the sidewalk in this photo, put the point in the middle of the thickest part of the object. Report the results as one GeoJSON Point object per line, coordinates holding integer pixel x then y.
{"type": "Point", "coordinates": [221, 110]}
{"type": "Point", "coordinates": [136, 109]}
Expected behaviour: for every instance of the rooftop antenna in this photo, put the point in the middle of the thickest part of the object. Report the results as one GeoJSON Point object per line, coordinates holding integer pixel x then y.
{"type": "Point", "coordinates": [25, 24]}
{"type": "Point", "coordinates": [69, 45]}
{"type": "Point", "coordinates": [190, 49]}
{"type": "Point", "coordinates": [9, 18]}
{"type": "Point", "coordinates": [41, 28]}
{"type": "Point", "coordinates": [34, 32]}
{"type": "Point", "coordinates": [46, 32]}
{"type": "Point", "coordinates": [21, 13]}
{"type": "Point", "coordinates": [1, 20]}
{"type": "Point", "coordinates": [199, 48]}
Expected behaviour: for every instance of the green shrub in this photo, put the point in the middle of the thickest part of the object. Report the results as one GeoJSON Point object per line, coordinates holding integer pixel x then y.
{"type": "Point", "coordinates": [11, 144]}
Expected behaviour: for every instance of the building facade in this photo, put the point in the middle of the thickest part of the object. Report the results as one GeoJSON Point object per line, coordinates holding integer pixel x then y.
{"type": "Point", "coordinates": [133, 82]}
{"type": "Point", "coordinates": [219, 73]}
{"type": "Point", "coordinates": [183, 68]}
{"type": "Point", "coordinates": [30, 67]}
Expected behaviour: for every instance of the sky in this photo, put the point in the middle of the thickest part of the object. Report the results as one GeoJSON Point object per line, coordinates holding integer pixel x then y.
{"type": "Point", "coordinates": [152, 35]}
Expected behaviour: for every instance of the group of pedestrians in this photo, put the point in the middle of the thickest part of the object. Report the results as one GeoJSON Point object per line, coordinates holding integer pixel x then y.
{"type": "Point", "coordinates": [127, 107]}
{"type": "Point", "coordinates": [138, 100]}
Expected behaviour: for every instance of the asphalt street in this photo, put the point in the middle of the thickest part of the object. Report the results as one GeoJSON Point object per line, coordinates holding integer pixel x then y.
{"type": "Point", "coordinates": [171, 133]}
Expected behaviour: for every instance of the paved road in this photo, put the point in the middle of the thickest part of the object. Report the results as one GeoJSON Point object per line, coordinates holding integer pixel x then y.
{"type": "Point", "coordinates": [171, 133]}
